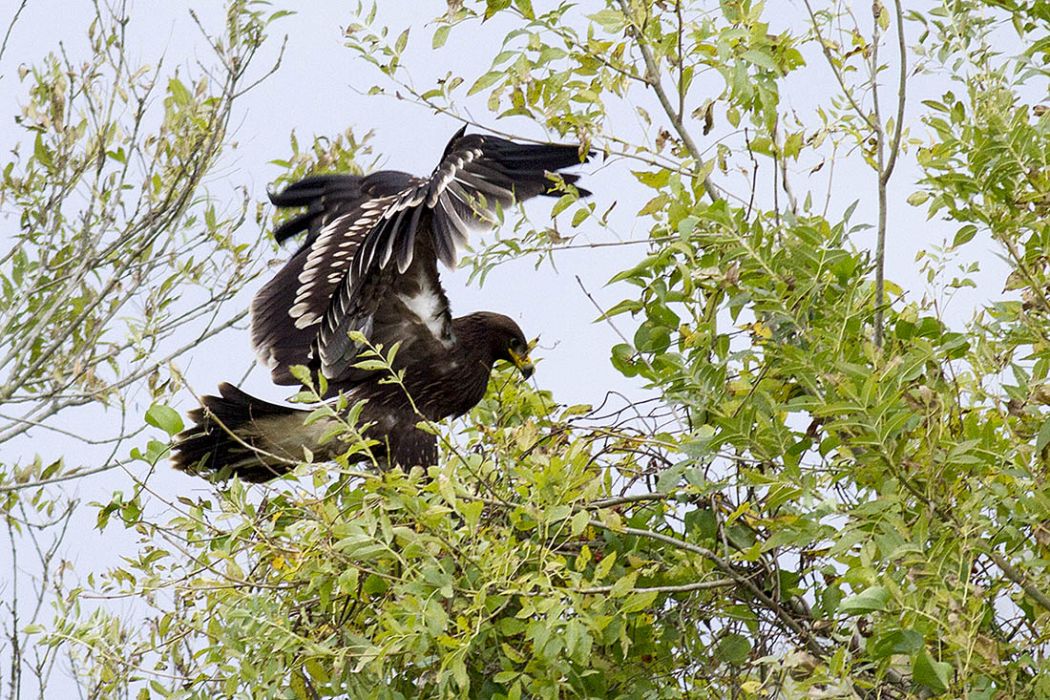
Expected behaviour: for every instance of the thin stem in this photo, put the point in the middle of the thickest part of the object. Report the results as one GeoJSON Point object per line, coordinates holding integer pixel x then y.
{"type": "Point", "coordinates": [834, 69]}
{"type": "Point", "coordinates": [880, 267]}
{"type": "Point", "coordinates": [902, 85]}
{"type": "Point", "coordinates": [652, 79]}
{"type": "Point", "coordinates": [683, 588]}
{"type": "Point", "coordinates": [880, 160]}
{"type": "Point", "coordinates": [681, 60]}
{"type": "Point", "coordinates": [16, 649]}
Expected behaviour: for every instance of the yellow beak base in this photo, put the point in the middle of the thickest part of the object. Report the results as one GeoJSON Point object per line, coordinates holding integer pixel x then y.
{"type": "Point", "coordinates": [522, 362]}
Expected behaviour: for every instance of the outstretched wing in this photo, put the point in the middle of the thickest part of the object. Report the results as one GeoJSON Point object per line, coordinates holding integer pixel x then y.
{"type": "Point", "coordinates": [477, 176]}
{"type": "Point", "coordinates": [369, 260]}
{"type": "Point", "coordinates": [286, 312]}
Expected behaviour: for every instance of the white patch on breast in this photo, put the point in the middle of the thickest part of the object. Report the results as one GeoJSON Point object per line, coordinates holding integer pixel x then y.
{"type": "Point", "coordinates": [427, 308]}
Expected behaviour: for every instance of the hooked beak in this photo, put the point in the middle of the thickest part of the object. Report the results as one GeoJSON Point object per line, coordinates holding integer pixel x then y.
{"type": "Point", "coordinates": [522, 362]}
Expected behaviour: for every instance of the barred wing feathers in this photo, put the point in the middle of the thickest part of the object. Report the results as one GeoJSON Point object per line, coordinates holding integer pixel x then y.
{"type": "Point", "coordinates": [477, 176]}
{"type": "Point", "coordinates": [359, 267]}
{"type": "Point", "coordinates": [285, 312]}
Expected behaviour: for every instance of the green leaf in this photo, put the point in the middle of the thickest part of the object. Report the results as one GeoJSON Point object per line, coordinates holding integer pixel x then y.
{"type": "Point", "coordinates": [669, 477]}
{"type": "Point", "coordinates": [42, 153]}
{"type": "Point", "coordinates": [504, 56]}
{"type": "Point", "coordinates": [627, 305]}
{"type": "Point", "coordinates": [733, 649]}
{"type": "Point", "coordinates": [883, 17]}
{"type": "Point", "coordinates": [504, 676]}
{"type": "Point", "coordinates": [472, 512]}
{"type": "Point", "coordinates": [868, 600]}
{"type": "Point", "coordinates": [525, 8]}
{"type": "Point", "coordinates": [896, 642]}
{"type": "Point", "coordinates": [562, 204]}
{"type": "Point", "coordinates": [371, 365]}
{"type": "Point", "coordinates": [637, 602]}
{"type": "Point", "coordinates": [402, 41]}
{"type": "Point", "coordinates": [299, 687]}
{"type": "Point", "coordinates": [654, 205]}
{"type": "Point", "coordinates": [612, 21]}
{"type": "Point", "coordinates": [603, 568]}
{"type": "Point", "coordinates": [624, 585]}
{"type": "Point", "coordinates": [762, 59]}
{"type": "Point", "coordinates": [623, 359]}
{"type": "Point", "coordinates": [303, 374]}
{"type": "Point", "coordinates": [494, 6]}
{"type": "Point", "coordinates": [1043, 438]}
{"type": "Point", "coordinates": [964, 235]}
{"type": "Point", "coordinates": [316, 670]}
{"type": "Point", "coordinates": [441, 36]}
{"type": "Point", "coordinates": [655, 180]}
{"type": "Point", "coordinates": [918, 198]}
{"type": "Point", "coordinates": [165, 418]}
{"type": "Point", "coordinates": [485, 81]}
{"type": "Point", "coordinates": [579, 522]}
{"type": "Point", "coordinates": [179, 93]}
{"type": "Point", "coordinates": [935, 675]}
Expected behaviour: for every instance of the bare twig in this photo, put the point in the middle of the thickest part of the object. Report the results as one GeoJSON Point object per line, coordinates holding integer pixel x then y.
{"type": "Point", "coordinates": [77, 474]}
{"type": "Point", "coordinates": [11, 27]}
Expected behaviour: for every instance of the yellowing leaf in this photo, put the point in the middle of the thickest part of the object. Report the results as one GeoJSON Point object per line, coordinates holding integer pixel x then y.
{"type": "Point", "coordinates": [603, 568]}
{"type": "Point", "coordinates": [761, 330]}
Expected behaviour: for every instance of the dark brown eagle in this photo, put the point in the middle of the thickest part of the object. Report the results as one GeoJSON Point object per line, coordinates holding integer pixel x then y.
{"type": "Point", "coordinates": [369, 264]}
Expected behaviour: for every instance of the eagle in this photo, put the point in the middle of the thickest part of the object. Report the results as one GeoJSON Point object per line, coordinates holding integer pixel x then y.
{"type": "Point", "coordinates": [366, 277]}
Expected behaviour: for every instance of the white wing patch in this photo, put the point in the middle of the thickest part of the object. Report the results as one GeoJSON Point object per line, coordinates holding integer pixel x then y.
{"type": "Point", "coordinates": [328, 261]}
{"type": "Point", "coordinates": [427, 308]}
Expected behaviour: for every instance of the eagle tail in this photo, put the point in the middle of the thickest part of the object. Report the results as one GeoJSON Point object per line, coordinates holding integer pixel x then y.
{"type": "Point", "coordinates": [236, 434]}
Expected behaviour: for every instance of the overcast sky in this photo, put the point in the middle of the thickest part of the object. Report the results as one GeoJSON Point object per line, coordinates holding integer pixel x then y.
{"type": "Point", "coordinates": [319, 90]}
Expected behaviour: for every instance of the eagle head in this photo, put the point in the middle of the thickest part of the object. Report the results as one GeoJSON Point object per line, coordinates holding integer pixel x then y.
{"type": "Point", "coordinates": [504, 339]}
